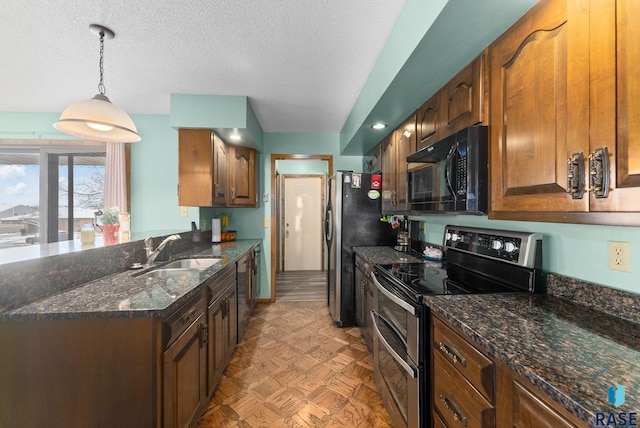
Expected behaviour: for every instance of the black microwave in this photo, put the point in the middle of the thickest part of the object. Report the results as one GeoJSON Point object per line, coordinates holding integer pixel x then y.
{"type": "Point", "coordinates": [451, 176]}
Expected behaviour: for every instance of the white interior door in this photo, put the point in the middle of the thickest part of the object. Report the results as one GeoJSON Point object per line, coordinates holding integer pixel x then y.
{"type": "Point", "coordinates": [303, 220]}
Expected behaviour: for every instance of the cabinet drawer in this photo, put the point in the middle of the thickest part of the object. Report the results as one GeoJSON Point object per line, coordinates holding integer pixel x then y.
{"type": "Point", "coordinates": [220, 282]}
{"type": "Point", "coordinates": [180, 320]}
{"type": "Point", "coordinates": [456, 400]}
{"type": "Point", "coordinates": [474, 366]}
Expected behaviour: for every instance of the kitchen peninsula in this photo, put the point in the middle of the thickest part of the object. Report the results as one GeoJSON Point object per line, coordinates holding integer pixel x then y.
{"type": "Point", "coordinates": [123, 349]}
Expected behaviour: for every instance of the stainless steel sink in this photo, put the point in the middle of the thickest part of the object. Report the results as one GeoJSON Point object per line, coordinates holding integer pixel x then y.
{"type": "Point", "coordinates": [181, 267]}
{"type": "Point", "coordinates": [197, 264]}
{"type": "Point", "coordinates": [169, 273]}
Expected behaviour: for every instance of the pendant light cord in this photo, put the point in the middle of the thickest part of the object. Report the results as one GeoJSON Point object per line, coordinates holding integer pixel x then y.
{"type": "Point", "coordinates": [101, 87]}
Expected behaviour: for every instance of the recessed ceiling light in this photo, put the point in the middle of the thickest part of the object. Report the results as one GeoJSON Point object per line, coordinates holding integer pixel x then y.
{"type": "Point", "coordinates": [379, 125]}
{"type": "Point", "coordinates": [235, 137]}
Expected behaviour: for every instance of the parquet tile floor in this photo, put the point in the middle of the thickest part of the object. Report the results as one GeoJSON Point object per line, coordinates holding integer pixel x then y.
{"type": "Point", "coordinates": [294, 368]}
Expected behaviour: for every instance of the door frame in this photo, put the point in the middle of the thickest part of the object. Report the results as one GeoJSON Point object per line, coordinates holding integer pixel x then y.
{"type": "Point", "coordinates": [323, 197]}
{"type": "Point", "coordinates": [274, 203]}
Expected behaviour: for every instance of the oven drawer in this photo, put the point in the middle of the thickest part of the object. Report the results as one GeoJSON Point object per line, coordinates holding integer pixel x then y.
{"type": "Point", "coordinates": [456, 400]}
{"type": "Point", "coordinates": [473, 365]}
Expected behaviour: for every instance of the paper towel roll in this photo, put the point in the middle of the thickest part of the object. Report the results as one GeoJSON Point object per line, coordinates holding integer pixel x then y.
{"type": "Point", "coordinates": [215, 230]}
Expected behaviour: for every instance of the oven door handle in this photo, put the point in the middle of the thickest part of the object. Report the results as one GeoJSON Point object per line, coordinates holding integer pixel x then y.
{"type": "Point", "coordinates": [411, 369]}
{"type": "Point", "coordinates": [395, 299]}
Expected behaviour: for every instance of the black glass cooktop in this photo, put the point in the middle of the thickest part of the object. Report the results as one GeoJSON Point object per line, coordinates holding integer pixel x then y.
{"type": "Point", "coordinates": [424, 278]}
{"type": "Point", "coordinates": [418, 278]}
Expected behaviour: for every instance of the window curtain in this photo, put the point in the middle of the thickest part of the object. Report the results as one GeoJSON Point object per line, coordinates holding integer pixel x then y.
{"type": "Point", "coordinates": [115, 180]}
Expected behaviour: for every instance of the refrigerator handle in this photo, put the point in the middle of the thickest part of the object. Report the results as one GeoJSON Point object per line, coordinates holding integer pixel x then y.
{"type": "Point", "coordinates": [328, 226]}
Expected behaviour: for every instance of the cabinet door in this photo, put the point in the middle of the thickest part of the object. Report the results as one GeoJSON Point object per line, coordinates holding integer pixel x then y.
{"type": "Point", "coordinates": [216, 343]}
{"type": "Point", "coordinates": [405, 136]}
{"type": "Point", "coordinates": [220, 171]}
{"type": "Point", "coordinates": [429, 121]}
{"type": "Point", "coordinates": [231, 323]}
{"type": "Point", "coordinates": [242, 176]}
{"type": "Point", "coordinates": [539, 108]}
{"type": "Point", "coordinates": [615, 90]}
{"type": "Point", "coordinates": [464, 97]}
{"type": "Point", "coordinates": [195, 167]}
{"type": "Point", "coordinates": [185, 383]}
{"type": "Point", "coordinates": [388, 166]}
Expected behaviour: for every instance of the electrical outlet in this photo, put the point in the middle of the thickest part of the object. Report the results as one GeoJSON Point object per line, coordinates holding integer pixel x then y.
{"type": "Point", "coordinates": [183, 211]}
{"type": "Point", "coordinates": [619, 256]}
{"type": "Point", "coordinates": [265, 197]}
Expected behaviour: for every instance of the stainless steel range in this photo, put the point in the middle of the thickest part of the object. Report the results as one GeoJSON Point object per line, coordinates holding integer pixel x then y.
{"type": "Point", "coordinates": [477, 261]}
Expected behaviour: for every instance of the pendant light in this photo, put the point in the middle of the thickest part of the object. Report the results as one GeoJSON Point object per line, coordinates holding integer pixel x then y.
{"type": "Point", "coordinates": [97, 118]}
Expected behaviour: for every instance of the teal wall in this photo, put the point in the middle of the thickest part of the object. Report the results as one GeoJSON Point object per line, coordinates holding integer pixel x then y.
{"type": "Point", "coordinates": [154, 179]}
{"type": "Point", "coordinates": [578, 251]}
{"type": "Point", "coordinates": [249, 221]}
{"type": "Point", "coordinates": [403, 77]}
{"type": "Point", "coordinates": [154, 168]}
{"type": "Point", "coordinates": [301, 166]}
{"type": "Point", "coordinates": [429, 43]}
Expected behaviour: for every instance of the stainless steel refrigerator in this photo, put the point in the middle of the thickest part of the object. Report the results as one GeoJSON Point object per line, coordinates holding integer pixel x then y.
{"type": "Point", "coordinates": [352, 219]}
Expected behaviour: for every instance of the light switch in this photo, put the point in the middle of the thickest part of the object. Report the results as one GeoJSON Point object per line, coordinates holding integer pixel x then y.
{"type": "Point", "coordinates": [183, 211]}
{"type": "Point", "coordinates": [265, 223]}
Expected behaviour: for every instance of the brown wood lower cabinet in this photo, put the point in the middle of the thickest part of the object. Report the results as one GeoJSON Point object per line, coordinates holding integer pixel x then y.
{"type": "Point", "coordinates": [101, 371]}
{"type": "Point", "coordinates": [222, 327]}
{"type": "Point", "coordinates": [523, 405]}
{"type": "Point", "coordinates": [91, 372]}
{"type": "Point", "coordinates": [184, 369]}
{"type": "Point", "coordinates": [470, 389]}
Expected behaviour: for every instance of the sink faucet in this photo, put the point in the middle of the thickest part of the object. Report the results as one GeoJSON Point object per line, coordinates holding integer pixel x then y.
{"type": "Point", "coordinates": [151, 253]}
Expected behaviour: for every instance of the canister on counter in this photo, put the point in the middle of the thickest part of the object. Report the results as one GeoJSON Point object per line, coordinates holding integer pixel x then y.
{"type": "Point", "coordinates": [125, 227]}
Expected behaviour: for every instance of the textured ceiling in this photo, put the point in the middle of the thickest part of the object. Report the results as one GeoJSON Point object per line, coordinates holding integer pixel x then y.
{"type": "Point", "coordinates": [302, 63]}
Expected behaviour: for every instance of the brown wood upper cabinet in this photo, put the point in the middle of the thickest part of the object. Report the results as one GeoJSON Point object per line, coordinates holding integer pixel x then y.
{"type": "Point", "coordinates": [429, 122]}
{"type": "Point", "coordinates": [614, 90]}
{"type": "Point", "coordinates": [559, 93]}
{"type": "Point", "coordinates": [394, 151]}
{"type": "Point", "coordinates": [242, 176]}
{"type": "Point", "coordinates": [462, 102]}
{"type": "Point", "coordinates": [213, 173]}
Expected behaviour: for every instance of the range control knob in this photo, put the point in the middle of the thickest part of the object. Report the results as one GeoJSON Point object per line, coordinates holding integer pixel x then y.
{"type": "Point", "coordinates": [454, 237]}
{"type": "Point", "coordinates": [510, 247]}
{"type": "Point", "coordinates": [447, 236]}
{"type": "Point", "coordinates": [496, 245]}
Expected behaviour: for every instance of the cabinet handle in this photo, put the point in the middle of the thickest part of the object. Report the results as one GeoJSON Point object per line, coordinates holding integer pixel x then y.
{"type": "Point", "coordinates": [233, 193]}
{"type": "Point", "coordinates": [186, 319]}
{"type": "Point", "coordinates": [451, 406]}
{"type": "Point", "coordinates": [575, 175]}
{"type": "Point", "coordinates": [599, 172]}
{"type": "Point", "coordinates": [453, 354]}
{"type": "Point", "coordinates": [216, 190]}
{"type": "Point", "coordinates": [204, 334]}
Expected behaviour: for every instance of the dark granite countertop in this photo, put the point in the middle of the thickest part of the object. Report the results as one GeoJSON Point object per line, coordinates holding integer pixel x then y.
{"type": "Point", "coordinates": [126, 294]}
{"type": "Point", "coordinates": [382, 255]}
{"type": "Point", "coordinates": [572, 352]}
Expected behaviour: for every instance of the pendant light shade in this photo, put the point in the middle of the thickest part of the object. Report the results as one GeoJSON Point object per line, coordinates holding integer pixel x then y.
{"type": "Point", "coordinates": [97, 118]}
